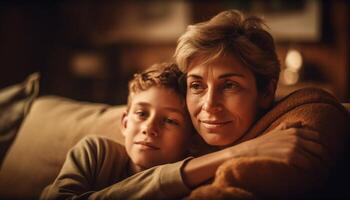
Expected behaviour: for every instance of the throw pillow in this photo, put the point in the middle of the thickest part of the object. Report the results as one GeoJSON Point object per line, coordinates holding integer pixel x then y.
{"type": "Point", "coordinates": [15, 102]}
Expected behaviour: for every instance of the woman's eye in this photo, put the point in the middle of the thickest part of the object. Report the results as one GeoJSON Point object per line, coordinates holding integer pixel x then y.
{"type": "Point", "coordinates": [196, 87]}
{"type": "Point", "coordinates": [230, 85]}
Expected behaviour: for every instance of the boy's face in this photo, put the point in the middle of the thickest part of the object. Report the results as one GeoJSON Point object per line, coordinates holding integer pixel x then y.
{"type": "Point", "coordinates": [156, 128]}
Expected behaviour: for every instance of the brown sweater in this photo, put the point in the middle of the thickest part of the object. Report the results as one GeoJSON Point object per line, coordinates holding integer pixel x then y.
{"type": "Point", "coordinates": [266, 178]}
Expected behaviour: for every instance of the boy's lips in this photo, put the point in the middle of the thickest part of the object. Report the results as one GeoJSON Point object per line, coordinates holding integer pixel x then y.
{"type": "Point", "coordinates": [147, 145]}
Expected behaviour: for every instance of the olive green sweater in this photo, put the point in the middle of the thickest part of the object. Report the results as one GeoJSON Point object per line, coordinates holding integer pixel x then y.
{"type": "Point", "coordinates": [98, 168]}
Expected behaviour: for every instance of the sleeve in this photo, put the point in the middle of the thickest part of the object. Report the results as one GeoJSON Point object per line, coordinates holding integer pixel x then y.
{"type": "Point", "coordinates": [77, 178]}
{"type": "Point", "coordinates": [161, 182]}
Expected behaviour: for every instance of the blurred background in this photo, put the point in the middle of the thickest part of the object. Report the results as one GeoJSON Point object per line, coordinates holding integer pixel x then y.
{"type": "Point", "coordinates": [88, 50]}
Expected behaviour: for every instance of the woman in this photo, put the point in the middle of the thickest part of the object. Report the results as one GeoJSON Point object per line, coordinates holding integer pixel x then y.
{"type": "Point", "coordinates": [231, 71]}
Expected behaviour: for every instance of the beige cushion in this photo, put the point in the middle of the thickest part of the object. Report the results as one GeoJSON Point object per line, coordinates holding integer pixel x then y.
{"type": "Point", "coordinates": [51, 128]}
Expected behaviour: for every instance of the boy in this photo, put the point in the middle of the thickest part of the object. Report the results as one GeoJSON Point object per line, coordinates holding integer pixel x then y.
{"type": "Point", "coordinates": [156, 129]}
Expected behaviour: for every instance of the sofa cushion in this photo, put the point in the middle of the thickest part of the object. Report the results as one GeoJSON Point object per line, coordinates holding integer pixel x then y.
{"type": "Point", "coordinates": [52, 127]}
{"type": "Point", "coordinates": [15, 102]}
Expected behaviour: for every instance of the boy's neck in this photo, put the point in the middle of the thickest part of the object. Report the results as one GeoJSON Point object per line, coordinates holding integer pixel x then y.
{"type": "Point", "coordinates": [134, 169]}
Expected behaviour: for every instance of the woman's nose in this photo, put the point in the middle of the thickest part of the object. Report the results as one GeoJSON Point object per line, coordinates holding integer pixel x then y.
{"type": "Point", "coordinates": [211, 103]}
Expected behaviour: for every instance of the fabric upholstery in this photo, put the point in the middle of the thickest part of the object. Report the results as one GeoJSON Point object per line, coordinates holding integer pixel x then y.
{"type": "Point", "coordinates": [51, 128]}
{"type": "Point", "coordinates": [15, 102]}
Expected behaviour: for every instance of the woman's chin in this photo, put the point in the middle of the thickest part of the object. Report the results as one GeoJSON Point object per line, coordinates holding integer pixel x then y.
{"type": "Point", "coordinates": [217, 140]}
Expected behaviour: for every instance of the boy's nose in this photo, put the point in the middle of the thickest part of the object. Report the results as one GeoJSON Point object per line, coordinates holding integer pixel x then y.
{"type": "Point", "coordinates": [150, 129]}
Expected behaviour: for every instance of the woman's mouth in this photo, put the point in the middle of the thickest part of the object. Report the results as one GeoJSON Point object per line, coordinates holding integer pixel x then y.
{"type": "Point", "coordinates": [147, 145]}
{"type": "Point", "coordinates": [214, 124]}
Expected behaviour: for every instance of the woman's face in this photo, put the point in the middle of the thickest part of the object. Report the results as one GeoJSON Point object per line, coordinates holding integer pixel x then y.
{"type": "Point", "coordinates": [222, 99]}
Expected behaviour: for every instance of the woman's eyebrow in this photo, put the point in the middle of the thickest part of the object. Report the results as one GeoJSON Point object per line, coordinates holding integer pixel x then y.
{"type": "Point", "coordinates": [230, 75]}
{"type": "Point", "coordinates": [195, 76]}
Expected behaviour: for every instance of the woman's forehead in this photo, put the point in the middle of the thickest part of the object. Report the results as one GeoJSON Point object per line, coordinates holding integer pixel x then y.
{"type": "Point", "coordinates": [218, 66]}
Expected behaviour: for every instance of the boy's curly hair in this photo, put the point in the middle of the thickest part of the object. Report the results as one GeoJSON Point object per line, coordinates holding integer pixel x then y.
{"type": "Point", "coordinates": [165, 75]}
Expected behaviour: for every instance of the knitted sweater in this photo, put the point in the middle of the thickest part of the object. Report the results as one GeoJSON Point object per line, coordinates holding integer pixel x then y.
{"type": "Point", "coordinates": [268, 178]}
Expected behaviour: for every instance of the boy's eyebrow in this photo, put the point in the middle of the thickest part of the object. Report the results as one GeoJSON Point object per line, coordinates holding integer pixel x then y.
{"type": "Point", "coordinates": [143, 104]}
{"type": "Point", "coordinates": [193, 76]}
{"type": "Point", "coordinates": [172, 109]}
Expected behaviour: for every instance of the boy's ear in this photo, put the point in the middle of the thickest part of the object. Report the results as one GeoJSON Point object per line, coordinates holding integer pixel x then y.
{"type": "Point", "coordinates": [124, 122]}
{"type": "Point", "coordinates": [268, 95]}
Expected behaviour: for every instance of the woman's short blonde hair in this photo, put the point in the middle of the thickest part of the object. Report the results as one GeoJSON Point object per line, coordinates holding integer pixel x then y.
{"type": "Point", "coordinates": [231, 33]}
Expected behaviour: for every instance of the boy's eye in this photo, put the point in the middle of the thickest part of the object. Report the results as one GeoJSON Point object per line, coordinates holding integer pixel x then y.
{"type": "Point", "coordinates": [141, 114]}
{"type": "Point", "coordinates": [196, 87]}
{"type": "Point", "coordinates": [168, 120]}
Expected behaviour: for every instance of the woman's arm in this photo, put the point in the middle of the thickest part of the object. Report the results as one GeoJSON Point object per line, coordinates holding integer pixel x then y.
{"type": "Point", "coordinates": [287, 142]}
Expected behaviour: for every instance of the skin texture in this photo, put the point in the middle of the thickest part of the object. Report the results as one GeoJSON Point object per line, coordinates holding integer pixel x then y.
{"type": "Point", "coordinates": [222, 100]}
{"type": "Point", "coordinates": [156, 128]}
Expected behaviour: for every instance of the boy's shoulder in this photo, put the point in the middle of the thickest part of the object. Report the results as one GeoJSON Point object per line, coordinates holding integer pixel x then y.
{"type": "Point", "coordinates": [100, 144]}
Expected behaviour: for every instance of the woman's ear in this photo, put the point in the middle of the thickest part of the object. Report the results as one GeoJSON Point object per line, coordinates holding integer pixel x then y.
{"type": "Point", "coordinates": [124, 122]}
{"type": "Point", "coordinates": [267, 96]}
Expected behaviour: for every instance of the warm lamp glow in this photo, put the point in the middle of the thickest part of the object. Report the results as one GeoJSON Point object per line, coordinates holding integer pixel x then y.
{"type": "Point", "coordinates": [88, 65]}
{"type": "Point", "coordinates": [290, 77]}
{"type": "Point", "coordinates": [293, 63]}
{"type": "Point", "coordinates": [294, 60]}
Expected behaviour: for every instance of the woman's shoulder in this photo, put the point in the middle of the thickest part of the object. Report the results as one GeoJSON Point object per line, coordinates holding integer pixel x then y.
{"type": "Point", "coordinates": [307, 104]}
{"type": "Point", "coordinates": [314, 108]}
{"type": "Point", "coordinates": [308, 95]}
{"type": "Point", "coordinates": [315, 99]}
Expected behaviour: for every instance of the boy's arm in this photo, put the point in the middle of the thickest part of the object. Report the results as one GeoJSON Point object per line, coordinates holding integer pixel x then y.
{"type": "Point", "coordinates": [160, 182]}
{"type": "Point", "coordinates": [89, 167]}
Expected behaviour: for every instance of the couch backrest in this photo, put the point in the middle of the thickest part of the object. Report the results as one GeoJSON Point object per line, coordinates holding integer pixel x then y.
{"type": "Point", "coordinates": [51, 128]}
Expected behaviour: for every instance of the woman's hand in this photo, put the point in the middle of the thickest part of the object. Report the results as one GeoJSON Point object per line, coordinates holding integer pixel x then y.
{"type": "Point", "coordinates": [288, 142]}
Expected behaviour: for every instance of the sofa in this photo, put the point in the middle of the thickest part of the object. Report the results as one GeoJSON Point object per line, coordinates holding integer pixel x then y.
{"type": "Point", "coordinates": [34, 141]}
